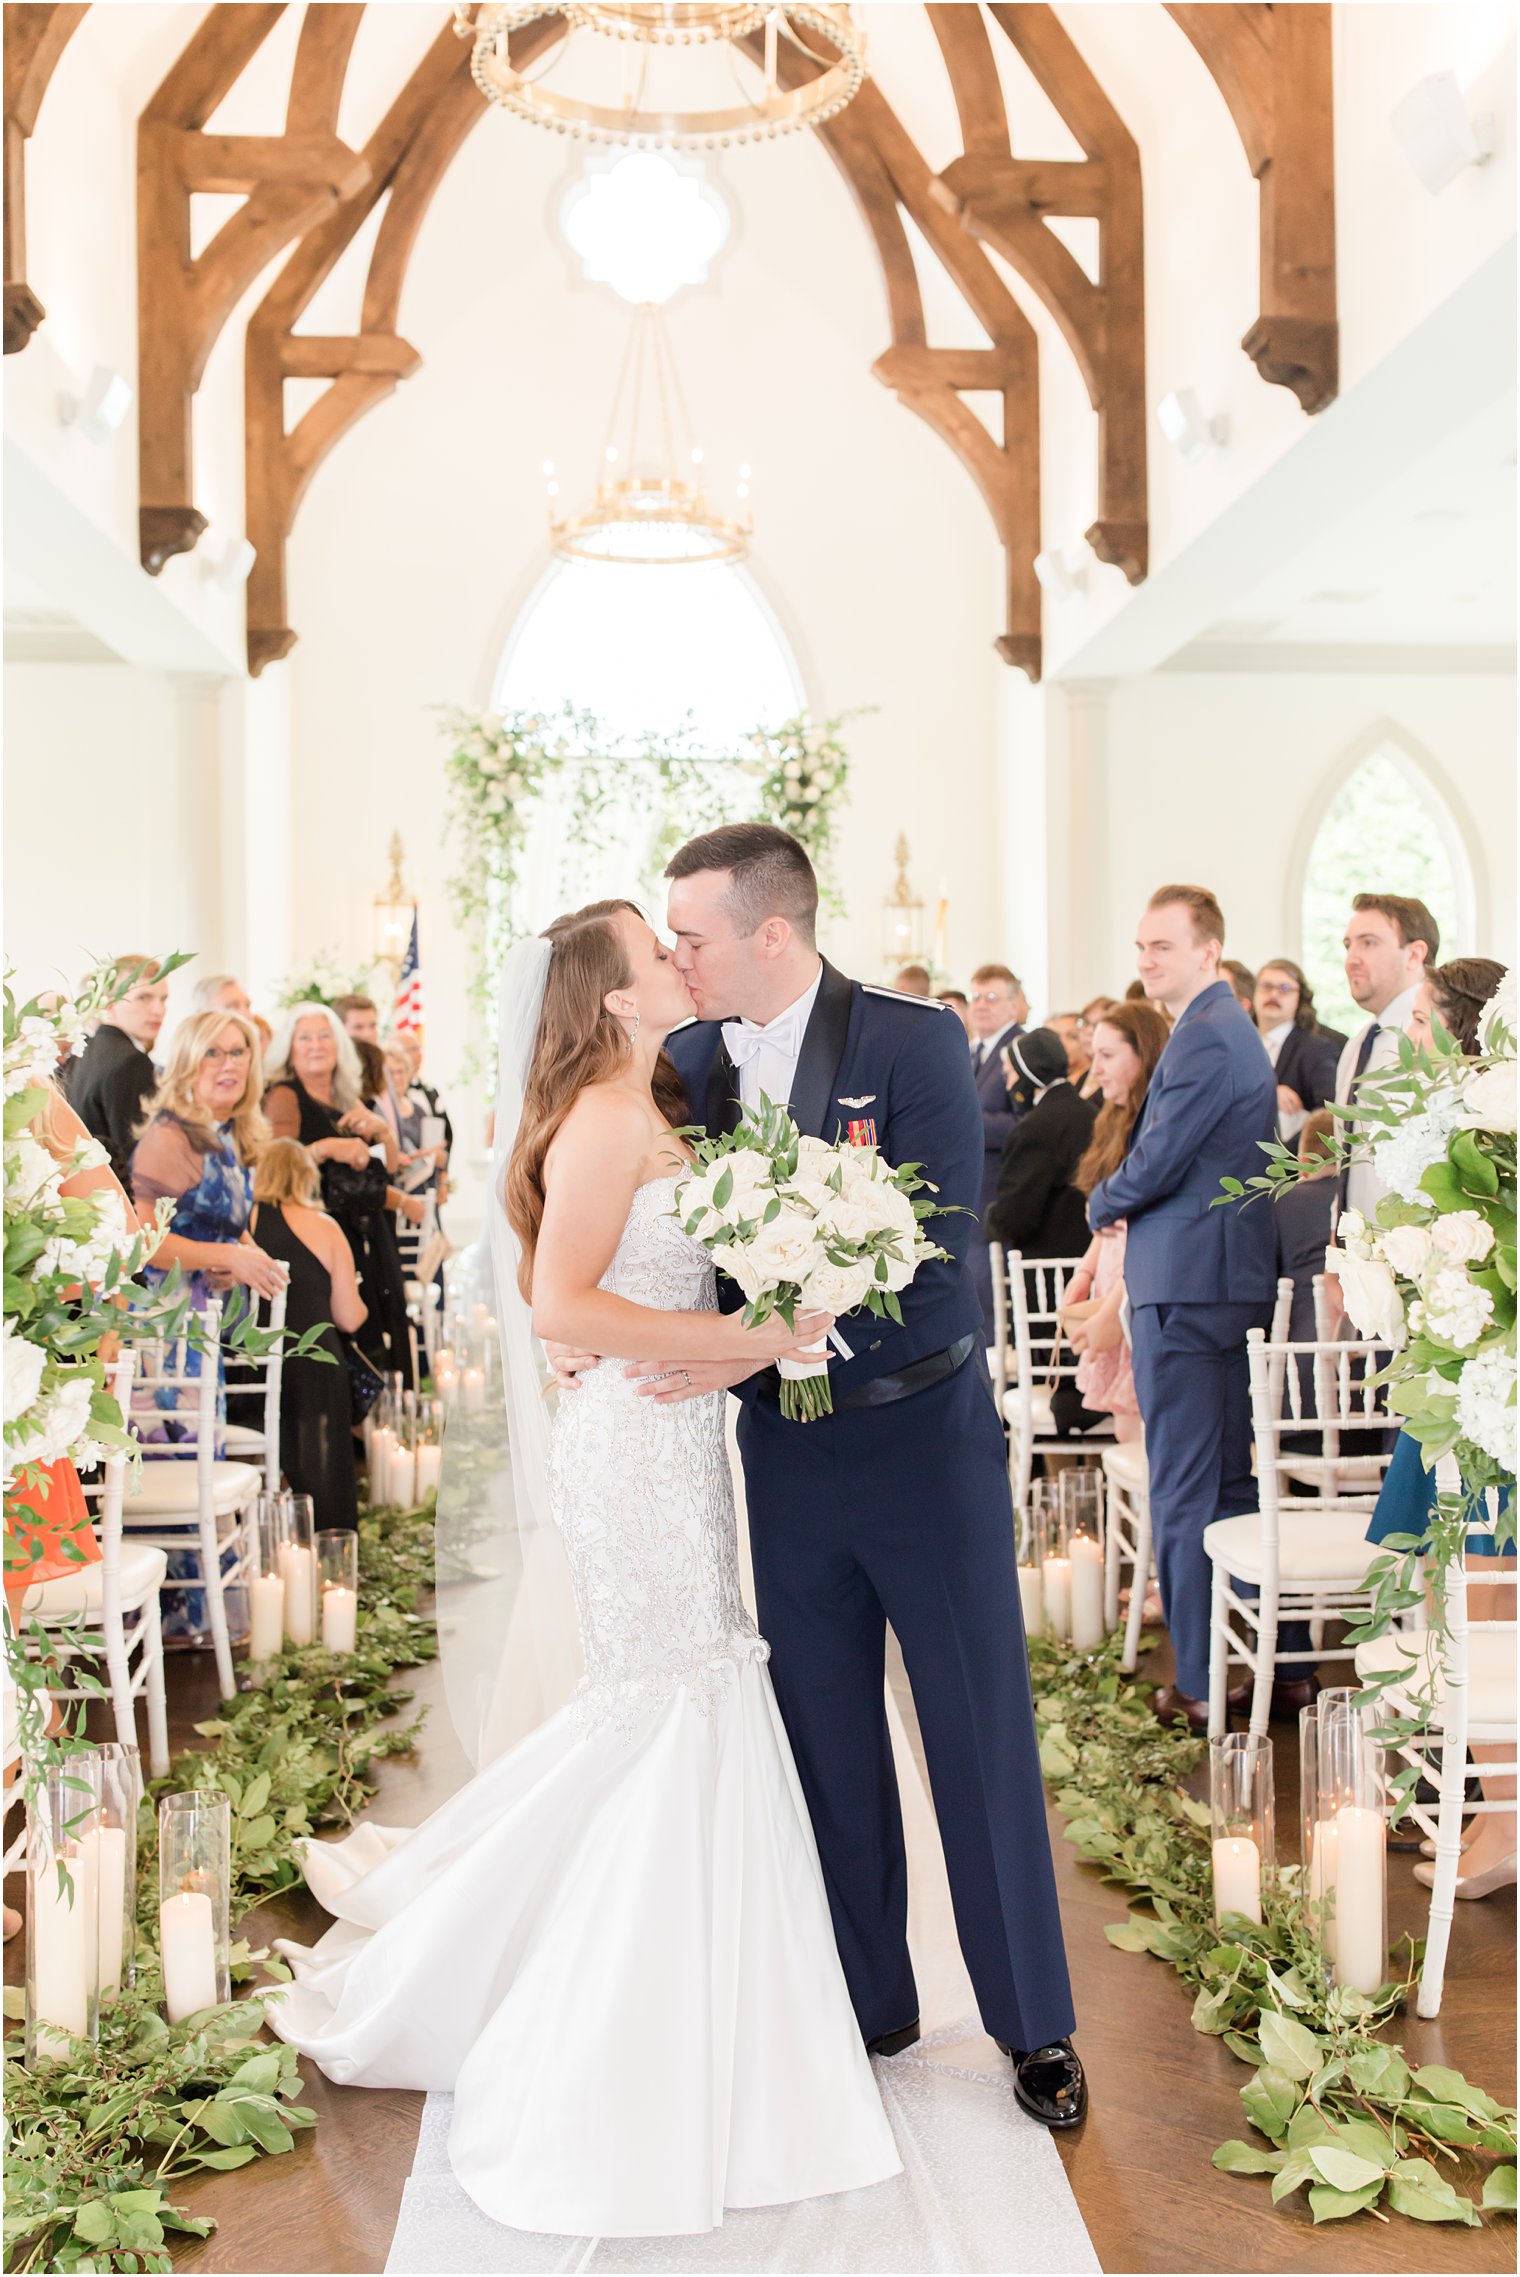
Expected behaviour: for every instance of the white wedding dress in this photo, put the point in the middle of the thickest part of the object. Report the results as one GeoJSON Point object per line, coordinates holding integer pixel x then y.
{"type": "Point", "coordinates": [613, 1945]}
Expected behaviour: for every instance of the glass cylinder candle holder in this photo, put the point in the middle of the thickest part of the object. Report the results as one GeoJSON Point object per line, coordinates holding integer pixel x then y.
{"type": "Point", "coordinates": [338, 1573]}
{"type": "Point", "coordinates": [1351, 1843]}
{"type": "Point", "coordinates": [194, 1894]}
{"type": "Point", "coordinates": [114, 1841]}
{"type": "Point", "coordinates": [446, 1374]}
{"type": "Point", "coordinates": [265, 1532]}
{"type": "Point", "coordinates": [63, 1909]}
{"type": "Point", "coordinates": [1081, 1493]}
{"type": "Point", "coordinates": [1029, 1549]}
{"type": "Point", "coordinates": [1242, 1815]}
{"type": "Point", "coordinates": [1316, 1838]}
{"type": "Point", "coordinates": [1055, 1560]}
{"type": "Point", "coordinates": [298, 1567]}
{"type": "Point", "coordinates": [429, 1447]}
{"type": "Point", "coordinates": [403, 1459]}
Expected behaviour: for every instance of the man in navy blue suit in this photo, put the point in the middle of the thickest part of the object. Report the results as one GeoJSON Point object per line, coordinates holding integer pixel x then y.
{"type": "Point", "coordinates": [1198, 1278]}
{"type": "Point", "coordinates": [896, 1507]}
{"type": "Point", "coordinates": [998, 1008]}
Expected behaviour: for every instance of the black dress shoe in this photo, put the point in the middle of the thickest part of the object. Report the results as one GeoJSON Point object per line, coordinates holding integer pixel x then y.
{"type": "Point", "coordinates": [1049, 2083]}
{"type": "Point", "coordinates": [1174, 1707]}
{"type": "Point", "coordinates": [893, 2043]}
{"type": "Point", "coordinates": [1290, 1694]}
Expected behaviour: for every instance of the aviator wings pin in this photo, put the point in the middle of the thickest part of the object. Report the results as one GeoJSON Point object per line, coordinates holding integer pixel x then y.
{"type": "Point", "coordinates": [868, 1101]}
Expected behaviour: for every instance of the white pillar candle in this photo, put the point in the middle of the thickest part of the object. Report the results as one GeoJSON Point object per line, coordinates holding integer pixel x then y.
{"type": "Point", "coordinates": [381, 1447]}
{"type": "Point", "coordinates": [473, 1389]}
{"type": "Point", "coordinates": [1086, 1593]}
{"type": "Point", "coordinates": [64, 1937]}
{"type": "Point", "coordinates": [298, 1564]}
{"type": "Point", "coordinates": [1361, 1958]}
{"type": "Point", "coordinates": [403, 1477]}
{"type": "Point", "coordinates": [429, 1469]}
{"type": "Point", "coordinates": [1322, 1860]}
{"type": "Point", "coordinates": [1032, 1598]}
{"type": "Point", "coordinates": [266, 1615]}
{"type": "Point", "coordinates": [1237, 1877]}
{"type": "Point", "coordinates": [105, 1847]}
{"type": "Point", "coordinates": [448, 1388]}
{"type": "Point", "coordinates": [340, 1618]}
{"type": "Point", "coordinates": [187, 1948]}
{"type": "Point", "coordinates": [1057, 1580]}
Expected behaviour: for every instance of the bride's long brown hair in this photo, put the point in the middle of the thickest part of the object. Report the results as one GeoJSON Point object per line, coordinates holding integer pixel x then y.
{"type": "Point", "coordinates": [579, 1042]}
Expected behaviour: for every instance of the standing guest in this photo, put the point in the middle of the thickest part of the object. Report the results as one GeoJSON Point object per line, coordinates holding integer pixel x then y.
{"type": "Point", "coordinates": [1127, 1044]}
{"type": "Point", "coordinates": [1198, 1277]}
{"type": "Point", "coordinates": [1304, 1054]}
{"type": "Point", "coordinates": [115, 1075]}
{"type": "Point", "coordinates": [221, 992]}
{"type": "Point", "coordinates": [1243, 981]}
{"type": "Point", "coordinates": [409, 1043]}
{"type": "Point", "coordinates": [914, 980]}
{"type": "Point", "coordinates": [999, 1009]}
{"type": "Point", "coordinates": [316, 1418]}
{"type": "Point", "coordinates": [1455, 994]}
{"type": "Point", "coordinates": [959, 1004]}
{"type": "Point", "coordinates": [361, 1017]}
{"type": "Point", "coordinates": [314, 1096]}
{"type": "Point", "coordinates": [1068, 1026]}
{"type": "Point", "coordinates": [1035, 1207]}
{"type": "Point", "coordinates": [1391, 942]}
{"type": "Point", "coordinates": [1303, 1221]}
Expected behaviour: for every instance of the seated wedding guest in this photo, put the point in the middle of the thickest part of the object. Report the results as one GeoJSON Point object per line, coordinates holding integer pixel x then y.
{"type": "Point", "coordinates": [1304, 1054]}
{"type": "Point", "coordinates": [1303, 1219]}
{"type": "Point", "coordinates": [914, 980]}
{"type": "Point", "coordinates": [999, 1008]}
{"type": "Point", "coordinates": [1243, 981]}
{"type": "Point", "coordinates": [115, 1073]}
{"type": "Point", "coordinates": [221, 992]}
{"type": "Point", "coordinates": [314, 1096]}
{"type": "Point", "coordinates": [960, 1004]}
{"type": "Point", "coordinates": [316, 1415]}
{"type": "Point", "coordinates": [1035, 1207]}
{"type": "Point", "coordinates": [1127, 1042]}
{"type": "Point", "coordinates": [1456, 993]}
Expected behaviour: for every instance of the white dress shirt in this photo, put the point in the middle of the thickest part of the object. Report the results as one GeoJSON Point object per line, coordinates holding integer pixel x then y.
{"type": "Point", "coordinates": [1364, 1189]}
{"type": "Point", "coordinates": [1273, 1039]}
{"type": "Point", "coordinates": [766, 1056]}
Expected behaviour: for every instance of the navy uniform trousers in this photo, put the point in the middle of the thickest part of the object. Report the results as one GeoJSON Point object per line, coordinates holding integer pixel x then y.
{"type": "Point", "coordinates": [901, 1514]}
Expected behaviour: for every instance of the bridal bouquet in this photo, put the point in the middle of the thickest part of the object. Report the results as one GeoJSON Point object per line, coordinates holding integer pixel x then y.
{"type": "Point", "coordinates": [800, 1224]}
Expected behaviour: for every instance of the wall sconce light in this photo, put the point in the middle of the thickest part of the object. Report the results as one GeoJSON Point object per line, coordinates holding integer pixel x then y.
{"type": "Point", "coordinates": [99, 409]}
{"type": "Point", "coordinates": [1187, 428]}
{"type": "Point", "coordinates": [1438, 135]}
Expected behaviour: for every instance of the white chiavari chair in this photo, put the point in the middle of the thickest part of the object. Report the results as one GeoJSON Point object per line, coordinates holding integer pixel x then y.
{"type": "Point", "coordinates": [1292, 1558]}
{"type": "Point", "coordinates": [260, 1443]}
{"type": "Point", "coordinates": [1034, 1290]}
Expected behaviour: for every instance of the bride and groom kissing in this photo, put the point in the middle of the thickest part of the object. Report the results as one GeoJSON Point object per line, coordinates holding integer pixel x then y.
{"type": "Point", "coordinates": [651, 1947]}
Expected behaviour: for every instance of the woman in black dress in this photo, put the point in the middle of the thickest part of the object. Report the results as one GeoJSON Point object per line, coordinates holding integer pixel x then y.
{"type": "Point", "coordinates": [314, 1098]}
{"type": "Point", "coordinates": [316, 1422]}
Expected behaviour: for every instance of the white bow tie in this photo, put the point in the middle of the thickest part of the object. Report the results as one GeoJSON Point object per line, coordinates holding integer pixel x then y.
{"type": "Point", "coordinates": [744, 1041]}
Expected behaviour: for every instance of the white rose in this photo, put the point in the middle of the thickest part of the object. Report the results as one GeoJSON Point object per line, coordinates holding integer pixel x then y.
{"type": "Point", "coordinates": [816, 1155]}
{"type": "Point", "coordinates": [1407, 1249]}
{"type": "Point", "coordinates": [737, 1264]}
{"type": "Point", "coordinates": [900, 1270]}
{"type": "Point", "coordinates": [24, 1364]}
{"type": "Point", "coordinates": [1488, 1098]}
{"type": "Point", "coordinates": [1486, 1405]}
{"type": "Point", "coordinates": [62, 1415]}
{"type": "Point", "coordinates": [837, 1288]}
{"type": "Point", "coordinates": [1354, 1233]}
{"type": "Point", "coordinates": [785, 1250]}
{"type": "Point", "coordinates": [1455, 1309]}
{"type": "Point", "coordinates": [1463, 1237]}
{"type": "Point", "coordinates": [1372, 1297]}
{"type": "Point", "coordinates": [31, 1174]}
{"type": "Point", "coordinates": [846, 1220]}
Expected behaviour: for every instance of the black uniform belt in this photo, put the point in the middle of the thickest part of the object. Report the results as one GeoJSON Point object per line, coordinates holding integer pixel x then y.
{"type": "Point", "coordinates": [916, 1377]}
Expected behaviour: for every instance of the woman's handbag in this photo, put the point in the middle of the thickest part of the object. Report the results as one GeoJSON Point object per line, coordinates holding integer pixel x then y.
{"type": "Point", "coordinates": [365, 1382]}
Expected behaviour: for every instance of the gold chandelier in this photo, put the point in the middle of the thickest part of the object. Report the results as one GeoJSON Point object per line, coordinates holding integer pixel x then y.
{"type": "Point", "coordinates": [649, 510]}
{"type": "Point", "coordinates": [818, 47]}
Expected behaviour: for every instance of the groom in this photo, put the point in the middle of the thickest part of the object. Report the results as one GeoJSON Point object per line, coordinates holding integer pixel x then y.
{"type": "Point", "coordinates": [895, 1508]}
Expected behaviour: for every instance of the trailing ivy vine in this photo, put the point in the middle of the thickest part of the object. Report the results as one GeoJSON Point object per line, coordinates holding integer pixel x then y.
{"type": "Point", "coordinates": [1336, 2107]}
{"type": "Point", "coordinates": [99, 2140]}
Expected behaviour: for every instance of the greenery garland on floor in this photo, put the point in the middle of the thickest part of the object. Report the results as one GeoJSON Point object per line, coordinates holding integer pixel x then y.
{"type": "Point", "coordinates": [1338, 2108]}
{"type": "Point", "coordinates": [99, 2140]}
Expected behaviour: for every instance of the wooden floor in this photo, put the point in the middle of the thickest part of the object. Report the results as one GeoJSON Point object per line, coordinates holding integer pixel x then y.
{"type": "Point", "coordinates": [1162, 2095]}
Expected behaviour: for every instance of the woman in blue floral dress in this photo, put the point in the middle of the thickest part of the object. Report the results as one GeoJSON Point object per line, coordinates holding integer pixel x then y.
{"type": "Point", "coordinates": [197, 1150]}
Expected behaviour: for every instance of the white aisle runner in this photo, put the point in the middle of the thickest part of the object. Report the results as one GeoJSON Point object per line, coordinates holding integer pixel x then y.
{"type": "Point", "coordinates": [982, 2186]}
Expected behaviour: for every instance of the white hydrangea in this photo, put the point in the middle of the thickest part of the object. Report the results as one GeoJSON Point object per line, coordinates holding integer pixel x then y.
{"type": "Point", "coordinates": [87, 1260]}
{"type": "Point", "coordinates": [1462, 1237]}
{"type": "Point", "coordinates": [1489, 1098]}
{"type": "Point", "coordinates": [56, 1424]}
{"type": "Point", "coordinates": [1455, 1309]}
{"type": "Point", "coordinates": [1402, 1157]}
{"type": "Point", "coordinates": [1486, 1405]}
{"type": "Point", "coordinates": [1407, 1249]}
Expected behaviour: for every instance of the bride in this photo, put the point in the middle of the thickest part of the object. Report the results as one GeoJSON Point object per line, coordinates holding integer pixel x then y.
{"type": "Point", "coordinates": [613, 1945]}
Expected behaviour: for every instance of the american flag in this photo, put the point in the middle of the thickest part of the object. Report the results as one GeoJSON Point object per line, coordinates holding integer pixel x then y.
{"type": "Point", "coordinates": [407, 1017]}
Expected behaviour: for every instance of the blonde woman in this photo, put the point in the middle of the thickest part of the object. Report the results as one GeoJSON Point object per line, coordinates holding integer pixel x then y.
{"type": "Point", "coordinates": [316, 1423]}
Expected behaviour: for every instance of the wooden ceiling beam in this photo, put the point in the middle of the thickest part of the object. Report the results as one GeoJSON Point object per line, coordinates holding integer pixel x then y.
{"type": "Point", "coordinates": [288, 182]}
{"type": "Point", "coordinates": [1004, 201]}
{"type": "Point", "coordinates": [1274, 66]}
{"type": "Point", "coordinates": [35, 37]}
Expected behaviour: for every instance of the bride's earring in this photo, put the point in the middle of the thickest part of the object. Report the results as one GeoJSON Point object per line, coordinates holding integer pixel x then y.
{"type": "Point", "coordinates": [631, 1033]}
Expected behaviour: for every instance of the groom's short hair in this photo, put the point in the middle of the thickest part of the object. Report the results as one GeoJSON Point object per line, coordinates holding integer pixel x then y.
{"type": "Point", "coordinates": [769, 875]}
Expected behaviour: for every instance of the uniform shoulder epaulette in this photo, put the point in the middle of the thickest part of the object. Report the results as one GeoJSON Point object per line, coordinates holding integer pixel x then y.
{"type": "Point", "coordinates": [901, 996]}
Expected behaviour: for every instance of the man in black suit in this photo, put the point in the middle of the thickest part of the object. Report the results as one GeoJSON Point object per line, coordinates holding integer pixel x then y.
{"type": "Point", "coordinates": [1304, 1054]}
{"type": "Point", "coordinates": [114, 1077]}
{"type": "Point", "coordinates": [999, 1009]}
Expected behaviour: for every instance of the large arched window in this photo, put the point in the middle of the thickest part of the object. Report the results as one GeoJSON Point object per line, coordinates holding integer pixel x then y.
{"type": "Point", "coordinates": [689, 658]}
{"type": "Point", "coordinates": [1387, 830]}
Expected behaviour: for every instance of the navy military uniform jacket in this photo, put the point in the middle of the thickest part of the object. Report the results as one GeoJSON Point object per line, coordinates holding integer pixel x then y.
{"type": "Point", "coordinates": [897, 1065]}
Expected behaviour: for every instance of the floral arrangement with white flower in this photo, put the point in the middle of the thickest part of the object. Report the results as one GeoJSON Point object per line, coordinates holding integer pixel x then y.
{"type": "Point", "coordinates": [796, 1222]}
{"type": "Point", "coordinates": [805, 773]}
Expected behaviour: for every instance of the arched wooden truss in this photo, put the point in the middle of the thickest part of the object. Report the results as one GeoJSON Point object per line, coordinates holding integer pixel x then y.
{"type": "Point", "coordinates": [306, 190]}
